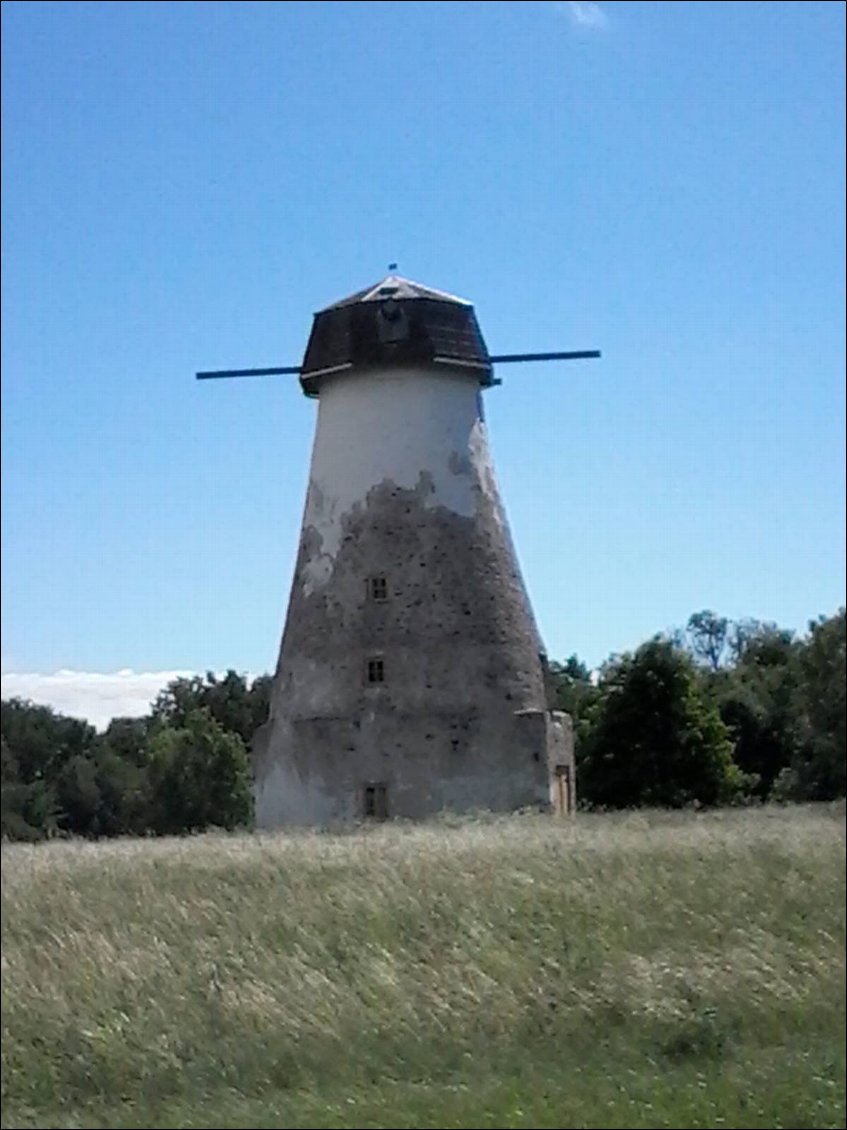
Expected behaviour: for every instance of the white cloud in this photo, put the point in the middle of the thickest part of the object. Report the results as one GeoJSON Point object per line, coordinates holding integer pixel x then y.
{"type": "Point", "coordinates": [585, 13]}
{"type": "Point", "coordinates": [95, 696]}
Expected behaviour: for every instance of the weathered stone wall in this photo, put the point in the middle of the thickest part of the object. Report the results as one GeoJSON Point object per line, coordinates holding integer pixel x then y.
{"type": "Point", "coordinates": [402, 488]}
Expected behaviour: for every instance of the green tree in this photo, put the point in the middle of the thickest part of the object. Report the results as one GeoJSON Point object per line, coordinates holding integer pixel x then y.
{"type": "Point", "coordinates": [572, 687]}
{"type": "Point", "coordinates": [655, 737]}
{"type": "Point", "coordinates": [39, 745]}
{"type": "Point", "coordinates": [575, 693]}
{"type": "Point", "coordinates": [238, 707]}
{"type": "Point", "coordinates": [122, 776]}
{"type": "Point", "coordinates": [78, 796]}
{"type": "Point", "coordinates": [758, 639]}
{"type": "Point", "coordinates": [199, 777]}
{"type": "Point", "coordinates": [41, 739]}
{"type": "Point", "coordinates": [818, 768]}
{"type": "Point", "coordinates": [26, 808]}
{"type": "Point", "coordinates": [707, 635]}
{"type": "Point", "coordinates": [756, 697]}
{"type": "Point", "coordinates": [127, 738]}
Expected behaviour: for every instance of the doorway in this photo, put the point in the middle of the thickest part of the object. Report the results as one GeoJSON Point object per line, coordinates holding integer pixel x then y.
{"type": "Point", "coordinates": [561, 789]}
{"type": "Point", "coordinates": [376, 802]}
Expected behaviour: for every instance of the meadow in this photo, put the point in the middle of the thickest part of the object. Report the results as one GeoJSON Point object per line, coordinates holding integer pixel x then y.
{"type": "Point", "coordinates": [638, 970]}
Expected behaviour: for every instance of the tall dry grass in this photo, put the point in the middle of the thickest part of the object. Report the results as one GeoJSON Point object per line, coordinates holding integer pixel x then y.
{"type": "Point", "coordinates": [638, 971]}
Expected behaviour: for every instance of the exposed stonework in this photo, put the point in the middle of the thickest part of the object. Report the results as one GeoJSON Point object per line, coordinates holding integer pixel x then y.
{"type": "Point", "coordinates": [410, 659]}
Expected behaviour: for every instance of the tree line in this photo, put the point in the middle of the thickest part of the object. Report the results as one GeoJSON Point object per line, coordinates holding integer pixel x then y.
{"type": "Point", "coordinates": [715, 713]}
{"type": "Point", "coordinates": [183, 767]}
{"type": "Point", "coordinates": [719, 711]}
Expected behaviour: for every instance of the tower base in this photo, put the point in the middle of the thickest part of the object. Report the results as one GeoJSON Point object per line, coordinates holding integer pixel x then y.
{"type": "Point", "coordinates": [342, 771]}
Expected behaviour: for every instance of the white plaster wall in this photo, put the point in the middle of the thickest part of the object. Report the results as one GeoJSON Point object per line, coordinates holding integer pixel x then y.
{"type": "Point", "coordinates": [283, 798]}
{"type": "Point", "coordinates": [378, 425]}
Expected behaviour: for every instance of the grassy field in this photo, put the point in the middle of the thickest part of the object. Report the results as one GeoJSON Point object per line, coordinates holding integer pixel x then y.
{"type": "Point", "coordinates": [632, 971]}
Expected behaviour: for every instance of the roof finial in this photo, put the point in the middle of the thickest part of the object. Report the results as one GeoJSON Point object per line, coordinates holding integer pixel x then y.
{"type": "Point", "coordinates": [392, 266]}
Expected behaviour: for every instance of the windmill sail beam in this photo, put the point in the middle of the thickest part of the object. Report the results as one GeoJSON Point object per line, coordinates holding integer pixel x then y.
{"type": "Point", "coordinates": [504, 358]}
{"type": "Point", "coordinates": [499, 359]}
{"type": "Point", "coordinates": [218, 373]}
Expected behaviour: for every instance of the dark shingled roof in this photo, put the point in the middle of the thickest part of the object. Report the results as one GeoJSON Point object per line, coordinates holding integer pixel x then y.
{"type": "Point", "coordinates": [394, 322]}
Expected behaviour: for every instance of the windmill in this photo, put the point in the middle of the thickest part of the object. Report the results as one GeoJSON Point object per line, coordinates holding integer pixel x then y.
{"type": "Point", "coordinates": [411, 675]}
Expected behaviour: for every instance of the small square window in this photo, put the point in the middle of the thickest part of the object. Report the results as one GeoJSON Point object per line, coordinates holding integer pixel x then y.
{"type": "Point", "coordinates": [378, 588]}
{"type": "Point", "coordinates": [376, 802]}
{"type": "Point", "coordinates": [376, 671]}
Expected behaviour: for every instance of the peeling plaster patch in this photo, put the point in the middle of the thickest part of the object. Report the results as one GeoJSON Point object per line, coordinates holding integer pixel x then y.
{"type": "Point", "coordinates": [481, 456]}
{"type": "Point", "coordinates": [420, 430]}
{"type": "Point", "coordinates": [316, 566]}
{"type": "Point", "coordinates": [459, 463]}
{"type": "Point", "coordinates": [402, 424]}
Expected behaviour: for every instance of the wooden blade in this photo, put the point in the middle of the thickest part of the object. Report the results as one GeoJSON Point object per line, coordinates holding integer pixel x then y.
{"type": "Point", "coordinates": [573, 355]}
{"type": "Point", "coordinates": [220, 373]}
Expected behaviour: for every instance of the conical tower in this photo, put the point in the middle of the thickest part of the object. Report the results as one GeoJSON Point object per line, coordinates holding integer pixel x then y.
{"type": "Point", "coordinates": [411, 675]}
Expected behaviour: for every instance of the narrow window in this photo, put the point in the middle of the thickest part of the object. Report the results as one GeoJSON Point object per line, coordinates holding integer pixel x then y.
{"type": "Point", "coordinates": [376, 802]}
{"type": "Point", "coordinates": [376, 671]}
{"type": "Point", "coordinates": [370, 800]}
{"type": "Point", "coordinates": [378, 588]}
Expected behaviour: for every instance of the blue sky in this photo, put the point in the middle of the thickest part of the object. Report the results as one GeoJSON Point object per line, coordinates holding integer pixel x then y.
{"type": "Point", "coordinates": [184, 184]}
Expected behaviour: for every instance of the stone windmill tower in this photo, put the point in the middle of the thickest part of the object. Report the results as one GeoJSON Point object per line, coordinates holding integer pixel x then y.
{"type": "Point", "coordinates": [411, 675]}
